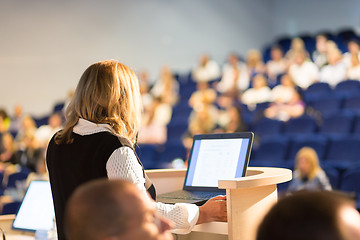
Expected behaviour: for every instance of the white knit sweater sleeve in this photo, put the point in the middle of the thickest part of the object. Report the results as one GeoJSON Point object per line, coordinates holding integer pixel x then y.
{"type": "Point", "coordinates": [123, 164]}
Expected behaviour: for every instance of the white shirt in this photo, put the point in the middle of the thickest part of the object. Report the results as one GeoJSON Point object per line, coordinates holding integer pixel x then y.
{"type": "Point", "coordinates": [206, 73]}
{"type": "Point", "coordinates": [333, 74]}
{"type": "Point", "coordinates": [123, 164]}
{"type": "Point", "coordinates": [253, 96]}
{"type": "Point", "coordinates": [227, 80]}
{"type": "Point", "coordinates": [305, 74]}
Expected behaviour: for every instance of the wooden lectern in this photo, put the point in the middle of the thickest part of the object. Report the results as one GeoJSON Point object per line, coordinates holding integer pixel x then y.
{"type": "Point", "coordinates": [248, 199]}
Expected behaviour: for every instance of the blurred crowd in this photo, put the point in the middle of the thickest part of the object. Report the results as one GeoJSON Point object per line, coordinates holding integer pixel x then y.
{"type": "Point", "coordinates": [216, 103]}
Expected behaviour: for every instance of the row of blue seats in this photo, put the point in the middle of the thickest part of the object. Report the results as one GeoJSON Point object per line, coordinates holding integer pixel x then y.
{"type": "Point", "coordinates": [336, 125]}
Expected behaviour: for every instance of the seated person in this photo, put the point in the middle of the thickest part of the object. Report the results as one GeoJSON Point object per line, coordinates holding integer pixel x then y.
{"type": "Point", "coordinates": [319, 55]}
{"type": "Point", "coordinates": [116, 209]}
{"type": "Point", "coordinates": [166, 87]}
{"type": "Point", "coordinates": [259, 93]}
{"type": "Point", "coordinates": [156, 117]}
{"type": "Point", "coordinates": [302, 71]}
{"type": "Point", "coordinates": [206, 70]}
{"type": "Point", "coordinates": [284, 92]}
{"type": "Point", "coordinates": [277, 65]}
{"type": "Point", "coordinates": [235, 77]}
{"type": "Point", "coordinates": [353, 51]}
{"type": "Point", "coordinates": [44, 133]}
{"type": "Point", "coordinates": [308, 174]}
{"type": "Point", "coordinates": [284, 111]}
{"type": "Point", "coordinates": [335, 71]}
{"type": "Point", "coordinates": [254, 63]}
{"type": "Point", "coordinates": [311, 215]}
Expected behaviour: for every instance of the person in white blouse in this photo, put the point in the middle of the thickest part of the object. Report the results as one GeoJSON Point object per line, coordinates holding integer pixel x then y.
{"type": "Point", "coordinates": [235, 77]}
{"type": "Point", "coordinates": [206, 70]}
{"type": "Point", "coordinates": [303, 71]}
{"type": "Point", "coordinates": [335, 71]}
{"type": "Point", "coordinates": [98, 139]}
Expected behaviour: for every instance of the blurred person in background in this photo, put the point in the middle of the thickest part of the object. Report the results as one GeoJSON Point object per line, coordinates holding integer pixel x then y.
{"type": "Point", "coordinates": [206, 70]}
{"type": "Point", "coordinates": [277, 65]}
{"type": "Point", "coordinates": [335, 71]}
{"type": "Point", "coordinates": [254, 63]}
{"type": "Point", "coordinates": [319, 55]}
{"type": "Point", "coordinates": [235, 78]}
{"type": "Point", "coordinates": [302, 71]}
{"type": "Point", "coordinates": [259, 93]}
{"type": "Point", "coordinates": [308, 175]}
{"type": "Point", "coordinates": [166, 87]}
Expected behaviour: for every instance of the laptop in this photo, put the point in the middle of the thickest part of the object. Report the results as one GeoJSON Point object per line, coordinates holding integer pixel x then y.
{"type": "Point", "coordinates": [212, 157]}
{"type": "Point", "coordinates": [36, 211]}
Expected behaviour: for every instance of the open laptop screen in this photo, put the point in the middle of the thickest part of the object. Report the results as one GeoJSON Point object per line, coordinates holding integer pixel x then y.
{"type": "Point", "coordinates": [36, 211]}
{"type": "Point", "coordinates": [218, 158]}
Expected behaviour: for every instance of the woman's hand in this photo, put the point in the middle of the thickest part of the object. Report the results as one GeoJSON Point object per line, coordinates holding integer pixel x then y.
{"type": "Point", "coordinates": [213, 210]}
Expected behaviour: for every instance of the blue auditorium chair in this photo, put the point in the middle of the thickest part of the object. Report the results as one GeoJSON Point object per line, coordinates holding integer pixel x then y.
{"type": "Point", "coordinates": [147, 154]}
{"type": "Point", "coordinates": [343, 153]}
{"type": "Point", "coordinates": [15, 177]}
{"type": "Point", "coordinates": [273, 149]}
{"type": "Point", "coordinates": [350, 182]}
{"type": "Point", "coordinates": [327, 106]}
{"type": "Point", "coordinates": [175, 132]}
{"type": "Point", "coordinates": [317, 91]}
{"type": "Point", "coordinates": [337, 125]}
{"type": "Point", "coordinates": [315, 141]}
{"type": "Point", "coordinates": [10, 208]}
{"type": "Point", "coordinates": [267, 127]}
{"type": "Point", "coordinates": [300, 126]}
{"type": "Point", "coordinates": [352, 104]}
{"type": "Point", "coordinates": [333, 175]}
{"type": "Point", "coordinates": [356, 128]}
{"type": "Point", "coordinates": [171, 152]}
{"type": "Point", "coordinates": [347, 87]}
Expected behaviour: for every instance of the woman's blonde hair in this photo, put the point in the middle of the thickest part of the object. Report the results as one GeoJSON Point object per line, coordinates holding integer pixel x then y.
{"type": "Point", "coordinates": [312, 158]}
{"type": "Point", "coordinates": [107, 93]}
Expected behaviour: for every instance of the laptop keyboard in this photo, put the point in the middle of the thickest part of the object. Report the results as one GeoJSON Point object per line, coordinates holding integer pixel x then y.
{"type": "Point", "coordinates": [190, 195]}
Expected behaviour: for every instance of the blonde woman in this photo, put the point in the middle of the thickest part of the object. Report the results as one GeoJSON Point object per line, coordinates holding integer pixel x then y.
{"type": "Point", "coordinates": [102, 121]}
{"type": "Point", "coordinates": [308, 174]}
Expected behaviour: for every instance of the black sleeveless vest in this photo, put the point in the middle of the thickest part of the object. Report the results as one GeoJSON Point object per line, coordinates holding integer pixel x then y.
{"type": "Point", "coordinates": [81, 161]}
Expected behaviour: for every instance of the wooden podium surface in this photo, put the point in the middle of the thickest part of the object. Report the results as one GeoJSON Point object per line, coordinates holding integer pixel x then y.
{"type": "Point", "coordinates": [248, 199]}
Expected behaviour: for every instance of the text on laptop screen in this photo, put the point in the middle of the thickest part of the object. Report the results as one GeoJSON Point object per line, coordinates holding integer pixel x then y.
{"type": "Point", "coordinates": [215, 159]}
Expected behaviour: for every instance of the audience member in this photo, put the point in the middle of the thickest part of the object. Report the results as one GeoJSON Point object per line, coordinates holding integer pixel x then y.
{"type": "Point", "coordinates": [4, 121]}
{"type": "Point", "coordinates": [254, 63]}
{"type": "Point", "coordinates": [303, 72]}
{"type": "Point", "coordinates": [284, 111]}
{"type": "Point", "coordinates": [354, 51]}
{"type": "Point", "coordinates": [116, 209]}
{"type": "Point", "coordinates": [206, 70]}
{"type": "Point", "coordinates": [311, 215]}
{"type": "Point", "coordinates": [9, 151]}
{"type": "Point", "coordinates": [353, 71]}
{"type": "Point", "coordinates": [155, 119]}
{"type": "Point", "coordinates": [166, 87]}
{"type": "Point", "coordinates": [308, 174]}
{"type": "Point", "coordinates": [284, 92]}
{"type": "Point", "coordinates": [319, 55]}
{"type": "Point", "coordinates": [203, 95]}
{"type": "Point", "coordinates": [235, 77]}
{"type": "Point", "coordinates": [276, 66]}
{"type": "Point", "coordinates": [335, 71]}
{"type": "Point", "coordinates": [44, 133]}
{"type": "Point", "coordinates": [259, 93]}
{"type": "Point", "coordinates": [297, 45]}
{"type": "Point", "coordinates": [16, 119]}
